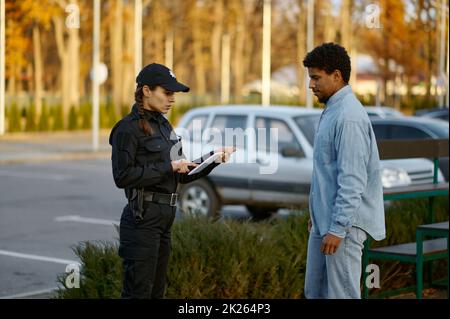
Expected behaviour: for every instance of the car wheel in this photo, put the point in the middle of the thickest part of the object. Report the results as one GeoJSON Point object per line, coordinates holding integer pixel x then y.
{"type": "Point", "coordinates": [260, 213]}
{"type": "Point", "coordinates": [199, 198]}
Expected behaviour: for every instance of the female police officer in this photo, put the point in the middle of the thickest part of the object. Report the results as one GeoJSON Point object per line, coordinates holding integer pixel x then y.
{"type": "Point", "coordinates": [148, 163]}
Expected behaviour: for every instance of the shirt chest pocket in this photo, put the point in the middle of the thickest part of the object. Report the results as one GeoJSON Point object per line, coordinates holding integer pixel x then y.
{"type": "Point", "coordinates": [327, 153]}
{"type": "Point", "coordinates": [153, 149]}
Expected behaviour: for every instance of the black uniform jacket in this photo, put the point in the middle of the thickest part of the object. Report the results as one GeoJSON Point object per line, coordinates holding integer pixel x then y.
{"type": "Point", "coordinates": [143, 161]}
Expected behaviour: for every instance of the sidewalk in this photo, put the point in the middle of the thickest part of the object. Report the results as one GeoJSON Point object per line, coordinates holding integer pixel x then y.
{"type": "Point", "coordinates": [17, 148]}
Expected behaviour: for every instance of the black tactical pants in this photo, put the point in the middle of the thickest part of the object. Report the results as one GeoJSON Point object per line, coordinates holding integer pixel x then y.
{"type": "Point", "coordinates": [145, 248]}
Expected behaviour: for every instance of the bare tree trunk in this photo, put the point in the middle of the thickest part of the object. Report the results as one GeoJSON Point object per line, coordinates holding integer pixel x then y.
{"type": "Point", "coordinates": [301, 52]}
{"type": "Point", "coordinates": [198, 58]}
{"type": "Point", "coordinates": [347, 38]}
{"type": "Point", "coordinates": [429, 68]}
{"type": "Point", "coordinates": [384, 88]}
{"type": "Point", "coordinates": [239, 57]}
{"type": "Point", "coordinates": [74, 66]}
{"type": "Point", "coordinates": [38, 85]}
{"type": "Point", "coordinates": [11, 89]}
{"type": "Point", "coordinates": [329, 24]}
{"type": "Point", "coordinates": [216, 38]}
{"type": "Point", "coordinates": [158, 32]}
{"type": "Point", "coordinates": [116, 38]}
{"type": "Point", "coordinates": [64, 58]}
{"type": "Point", "coordinates": [408, 94]}
{"type": "Point", "coordinates": [128, 70]}
{"type": "Point", "coordinates": [345, 24]}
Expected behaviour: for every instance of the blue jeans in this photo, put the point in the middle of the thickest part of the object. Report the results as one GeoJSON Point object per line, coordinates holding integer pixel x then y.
{"type": "Point", "coordinates": [335, 276]}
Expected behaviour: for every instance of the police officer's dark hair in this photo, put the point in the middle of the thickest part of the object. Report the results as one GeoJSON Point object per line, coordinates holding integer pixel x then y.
{"type": "Point", "coordinates": [329, 57]}
{"type": "Point", "coordinates": [139, 97]}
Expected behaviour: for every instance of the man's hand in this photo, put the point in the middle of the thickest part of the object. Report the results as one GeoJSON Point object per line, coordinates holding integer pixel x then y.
{"type": "Point", "coordinates": [182, 166]}
{"type": "Point", "coordinates": [309, 225]}
{"type": "Point", "coordinates": [330, 244]}
{"type": "Point", "coordinates": [226, 153]}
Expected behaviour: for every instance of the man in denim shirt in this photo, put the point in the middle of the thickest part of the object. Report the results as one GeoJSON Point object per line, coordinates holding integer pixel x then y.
{"type": "Point", "coordinates": [346, 197]}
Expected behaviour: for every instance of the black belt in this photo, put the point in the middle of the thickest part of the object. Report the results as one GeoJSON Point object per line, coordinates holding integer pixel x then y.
{"type": "Point", "coordinates": [160, 198]}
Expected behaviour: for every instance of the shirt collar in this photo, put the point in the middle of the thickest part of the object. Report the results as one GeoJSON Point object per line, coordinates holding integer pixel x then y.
{"type": "Point", "coordinates": [149, 115]}
{"type": "Point", "coordinates": [338, 96]}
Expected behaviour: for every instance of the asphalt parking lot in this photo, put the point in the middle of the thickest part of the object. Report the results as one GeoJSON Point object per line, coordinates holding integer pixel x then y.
{"type": "Point", "coordinates": [47, 208]}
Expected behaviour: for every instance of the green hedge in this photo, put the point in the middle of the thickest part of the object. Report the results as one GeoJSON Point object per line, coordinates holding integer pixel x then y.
{"type": "Point", "coordinates": [234, 259]}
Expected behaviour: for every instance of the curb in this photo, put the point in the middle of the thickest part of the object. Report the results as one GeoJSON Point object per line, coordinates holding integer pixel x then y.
{"type": "Point", "coordinates": [58, 157]}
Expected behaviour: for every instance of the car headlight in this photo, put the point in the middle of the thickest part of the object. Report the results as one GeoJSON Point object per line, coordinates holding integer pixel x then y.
{"type": "Point", "coordinates": [394, 177]}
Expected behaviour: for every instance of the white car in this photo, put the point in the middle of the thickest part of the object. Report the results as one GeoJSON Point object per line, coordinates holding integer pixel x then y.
{"type": "Point", "coordinates": [266, 172]}
{"type": "Point", "coordinates": [382, 112]}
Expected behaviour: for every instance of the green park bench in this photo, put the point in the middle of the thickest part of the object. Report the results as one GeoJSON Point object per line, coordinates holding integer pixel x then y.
{"type": "Point", "coordinates": [422, 250]}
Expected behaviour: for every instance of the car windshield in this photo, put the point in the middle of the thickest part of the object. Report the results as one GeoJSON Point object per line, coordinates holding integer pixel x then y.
{"type": "Point", "coordinates": [308, 125]}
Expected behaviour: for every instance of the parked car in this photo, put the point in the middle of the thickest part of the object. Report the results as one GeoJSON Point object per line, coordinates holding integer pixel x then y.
{"type": "Point", "coordinates": [435, 113]}
{"type": "Point", "coordinates": [382, 112]}
{"type": "Point", "coordinates": [255, 181]}
{"type": "Point", "coordinates": [412, 127]}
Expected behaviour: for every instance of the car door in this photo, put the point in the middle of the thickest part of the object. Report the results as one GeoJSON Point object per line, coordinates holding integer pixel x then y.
{"type": "Point", "coordinates": [284, 172]}
{"type": "Point", "coordinates": [231, 179]}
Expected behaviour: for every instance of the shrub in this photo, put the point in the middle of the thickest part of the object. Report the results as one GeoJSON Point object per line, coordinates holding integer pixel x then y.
{"type": "Point", "coordinates": [58, 118]}
{"type": "Point", "coordinates": [44, 121]}
{"type": "Point", "coordinates": [231, 259]}
{"type": "Point", "coordinates": [234, 259]}
{"type": "Point", "coordinates": [86, 115]}
{"type": "Point", "coordinates": [73, 119]}
{"type": "Point", "coordinates": [14, 118]}
{"type": "Point", "coordinates": [101, 272]}
{"type": "Point", "coordinates": [31, 125]}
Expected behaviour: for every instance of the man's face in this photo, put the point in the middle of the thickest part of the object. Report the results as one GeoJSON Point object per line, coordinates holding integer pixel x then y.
{"type": "Point", "coordinates": [160, 100]}
{"type": "Point", "coordinates": [324, 85]}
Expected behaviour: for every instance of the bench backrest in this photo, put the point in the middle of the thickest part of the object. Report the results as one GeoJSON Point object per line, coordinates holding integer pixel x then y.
{"type": "Point", "coordinates": [432, 148]}
{"type": "Point", "coordinates": [395, 149]}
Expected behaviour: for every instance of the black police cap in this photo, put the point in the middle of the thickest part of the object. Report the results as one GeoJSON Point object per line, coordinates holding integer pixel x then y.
{"type": "Point", "coordinates": [157, 74]}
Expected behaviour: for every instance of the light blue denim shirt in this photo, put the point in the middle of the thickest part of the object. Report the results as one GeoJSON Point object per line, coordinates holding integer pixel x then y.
{"type": "Point", "coordinates": [346, 188]}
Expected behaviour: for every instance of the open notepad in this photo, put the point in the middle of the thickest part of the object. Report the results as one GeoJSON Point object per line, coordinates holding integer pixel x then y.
{"type": "Point", "coordinates": [205, 163]}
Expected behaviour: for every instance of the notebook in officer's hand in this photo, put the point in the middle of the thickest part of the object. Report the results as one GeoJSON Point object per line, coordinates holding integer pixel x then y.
{"type": "Point", "coordinates": [205, 163]}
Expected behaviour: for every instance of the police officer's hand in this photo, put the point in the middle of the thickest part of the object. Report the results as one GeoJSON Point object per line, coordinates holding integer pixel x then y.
{"type": "Point", "coordinates": [182, 166]}
{"type": "Point", "coordinates": [226, 153]}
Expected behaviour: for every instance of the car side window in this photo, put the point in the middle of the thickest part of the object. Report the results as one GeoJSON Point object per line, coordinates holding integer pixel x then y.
{"type": "Point", "coordinates": [237, 124]}
{"type": "Point", "coordinates": [381, 131]}
{"type": "Point", "coordinates": [197, 123]}
{"type": "Point", "coordinates": [407, 133]}
{"type": "Point", "coordinates": [264, 140]}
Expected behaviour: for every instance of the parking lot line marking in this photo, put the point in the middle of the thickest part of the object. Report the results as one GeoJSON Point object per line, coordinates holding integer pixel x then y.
{"type": "Point", "coordinates": [53, 177]}
{"type": "Point", "coordinates": [77, 218]}
{"type": "Point", "coordinates": [30, 293]}
{"type": "Point", "coordinates": [38, 257]}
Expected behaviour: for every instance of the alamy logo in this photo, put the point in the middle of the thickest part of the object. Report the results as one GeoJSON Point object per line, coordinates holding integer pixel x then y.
{"type": "Point", "coordinates": [372, 16]}
{"type": "Point", "coordinates": [73, 277]}
{"type": "Point", "coordinates": [373, 278]}
{"type": "Point", "coordinates": [73, 19]}
{"type": "Point", "coordinates": [254, 146]}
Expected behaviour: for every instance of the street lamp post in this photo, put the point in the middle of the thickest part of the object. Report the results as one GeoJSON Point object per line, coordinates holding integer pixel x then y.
{"type": "Point", "coordinates": [137, 36]}
{"type": "Point", "coordinates": [95, 76]}
{"type": "Point", "coordinates": [225, 70]}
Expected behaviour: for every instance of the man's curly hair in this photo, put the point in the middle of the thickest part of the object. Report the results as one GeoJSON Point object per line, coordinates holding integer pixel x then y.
{"type": "Point", "coordinates": [329, 57]}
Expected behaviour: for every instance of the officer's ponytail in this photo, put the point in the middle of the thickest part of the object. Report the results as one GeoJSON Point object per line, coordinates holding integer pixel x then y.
{"type": "Point", "coordinates": [143, 123]}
